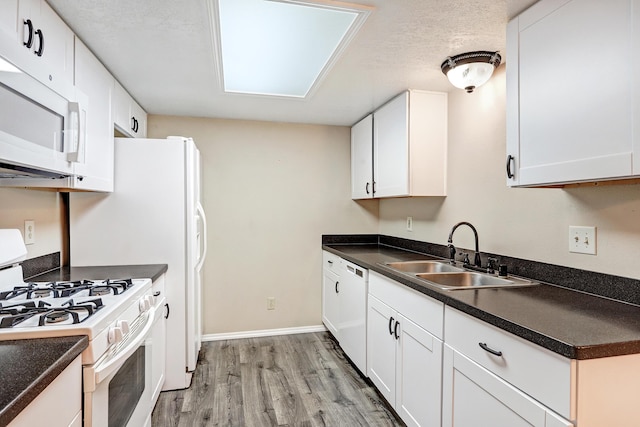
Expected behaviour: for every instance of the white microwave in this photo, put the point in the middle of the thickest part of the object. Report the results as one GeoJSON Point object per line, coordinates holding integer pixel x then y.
{"type": "Point", "coordinates": [42, 133]}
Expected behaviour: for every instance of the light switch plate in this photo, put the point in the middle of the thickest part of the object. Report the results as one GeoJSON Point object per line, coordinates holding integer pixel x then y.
{"type": "Point", "coordinates": [582, 239]}
{"type": "Point", "coordinates": [409, 223]}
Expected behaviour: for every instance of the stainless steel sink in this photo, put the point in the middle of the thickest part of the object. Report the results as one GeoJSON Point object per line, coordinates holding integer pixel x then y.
{"type": "Point", "coordinates": [471, 280]}
{"type": "Point", "coordinates": [423, 267]}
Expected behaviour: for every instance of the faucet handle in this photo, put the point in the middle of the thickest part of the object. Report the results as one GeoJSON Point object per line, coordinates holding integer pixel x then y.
{"type": "Point", "coordinates": [465, 260]}
{"type": "Point", "coordinates": [491, 265]}
{"type": "Point", "coordinates": [452, 253]}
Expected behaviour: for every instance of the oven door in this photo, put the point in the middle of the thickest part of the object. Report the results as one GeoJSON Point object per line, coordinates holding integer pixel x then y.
{"type": "Point", "coordinates": [117, 388]}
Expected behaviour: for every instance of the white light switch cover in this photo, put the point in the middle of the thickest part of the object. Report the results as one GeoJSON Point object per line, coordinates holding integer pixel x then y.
{"type": "Point", "coordinates": [582, 239]}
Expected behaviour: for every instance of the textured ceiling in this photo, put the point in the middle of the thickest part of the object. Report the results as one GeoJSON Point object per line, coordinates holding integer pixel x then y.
{"type": "Point", "coordinates": [161, 51]}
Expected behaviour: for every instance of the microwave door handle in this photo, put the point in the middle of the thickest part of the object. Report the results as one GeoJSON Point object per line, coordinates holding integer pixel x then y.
{"type": "Point", "coordinates": [76, 111]}
{"type": "Point", "coordinates": [202, 215]}
{"type": "Point", "coordinates": [104, 370]}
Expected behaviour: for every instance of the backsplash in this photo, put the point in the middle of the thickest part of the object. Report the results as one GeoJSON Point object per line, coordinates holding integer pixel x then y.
{"type": "Point", "coordinates": [605, 285]}
{"type": "Point", "coordinates": [35, 266]}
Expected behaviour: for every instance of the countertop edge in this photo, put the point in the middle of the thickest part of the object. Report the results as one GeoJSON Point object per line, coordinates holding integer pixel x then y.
{"type": "Point", "coordinates": [550, 343]}
{"type": "Point", "coordinates": [22, 400]}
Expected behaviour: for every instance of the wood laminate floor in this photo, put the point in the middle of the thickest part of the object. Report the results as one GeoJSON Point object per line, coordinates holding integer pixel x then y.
{"type": "Point", "coordinates": [289, 380]}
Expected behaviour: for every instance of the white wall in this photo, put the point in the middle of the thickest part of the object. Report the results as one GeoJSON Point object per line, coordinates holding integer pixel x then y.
{"type": "Point", "coordinates": [270, 191]}
{"type": "Point", "coordinates": [18, 205]}
{"type": "Point", "coordinates": [519, 222]}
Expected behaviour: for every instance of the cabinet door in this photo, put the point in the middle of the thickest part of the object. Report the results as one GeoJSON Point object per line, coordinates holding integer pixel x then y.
{"type": "Point", "coordinates": [331, 301]}
{"type": "Point", "coordinates": [381, 348]}
{"type": "Point", "coordinates": [93, 79]}
{"type": "Point", "coordinates": [121, 109]}
{"type": "Point", "coordinates": [575, 122]}
{"type": "Point", "coordinates": [472, 396]}
{"type": "Point", "coordinates": [139, 120]}
{"type": "Point", "coordinates": [418, 375]}
{"type": "Point", "coordinates": [362, 186]}
{"type": "Point", "coordinates": [128, 116]}
{"type": "Point", "coordinates": [9, 19]}
{"type": "Point", "coordinates": [391, 147]}
{"type": "Point", "coordinates": [52, 51]}
{"type": "Point", "coordinates": [59, 402]}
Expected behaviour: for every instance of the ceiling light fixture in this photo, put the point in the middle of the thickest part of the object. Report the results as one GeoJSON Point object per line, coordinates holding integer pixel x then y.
{"type": "Point", "coordinates": [469, 70]}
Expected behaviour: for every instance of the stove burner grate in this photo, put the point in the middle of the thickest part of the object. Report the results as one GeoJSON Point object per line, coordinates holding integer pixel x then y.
{"type": "Point", "coordinates": [15, 314]}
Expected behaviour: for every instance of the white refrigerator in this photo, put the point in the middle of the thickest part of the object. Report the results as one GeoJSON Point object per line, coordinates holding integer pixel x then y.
{"type": "Point", "coordinates": [154, 216]}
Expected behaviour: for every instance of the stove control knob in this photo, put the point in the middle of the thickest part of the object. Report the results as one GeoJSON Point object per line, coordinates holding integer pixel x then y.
{"type": "Point", "coordinates": [115, 335]}
{"type": "Point", "coordinates": [143, 305]}
{"type": "Point", "coordinates": [124, 326]}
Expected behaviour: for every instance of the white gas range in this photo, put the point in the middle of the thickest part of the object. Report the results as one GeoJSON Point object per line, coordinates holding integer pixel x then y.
{"type": "Point", "coordinates": [117, 315]}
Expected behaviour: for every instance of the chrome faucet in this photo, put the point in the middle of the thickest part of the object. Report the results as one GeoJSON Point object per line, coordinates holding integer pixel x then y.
{"type": "Point", "coordinates": [452, 249]}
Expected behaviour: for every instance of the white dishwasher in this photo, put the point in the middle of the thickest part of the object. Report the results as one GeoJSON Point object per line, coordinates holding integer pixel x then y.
{"type": "Point", "coordinates": [352, 326]}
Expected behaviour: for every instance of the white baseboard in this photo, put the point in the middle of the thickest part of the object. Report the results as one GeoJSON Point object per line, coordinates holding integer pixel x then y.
{"type": "Point", "coordinates": [263, 333]}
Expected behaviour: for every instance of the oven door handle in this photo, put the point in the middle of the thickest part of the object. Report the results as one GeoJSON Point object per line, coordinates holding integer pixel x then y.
{"type": "Point", "coordinates": [102, 371]}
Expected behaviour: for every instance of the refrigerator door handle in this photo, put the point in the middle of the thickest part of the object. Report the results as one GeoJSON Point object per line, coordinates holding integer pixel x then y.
{"type": "Point", "coordinates": [203, 217]}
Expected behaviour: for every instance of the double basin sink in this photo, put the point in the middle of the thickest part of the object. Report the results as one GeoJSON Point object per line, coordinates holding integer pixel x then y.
{"type": "Point", "coordinates": [448, 277]}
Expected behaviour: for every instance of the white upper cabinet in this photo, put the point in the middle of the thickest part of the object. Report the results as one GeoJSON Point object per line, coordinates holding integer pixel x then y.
{"type": "Point", "coordinates": [572, 92]}
{"type": "Point", "coordinates": [93, 79]}
{"type": "Point", "coordinates": [410, 145]}
{"type": "Point", "coordinates": [8, 18]}
{"type": "Point", "coordinates": [129, 117]}
{"type": "Point", "coordinates": [409, 148]}
{"type": "Point", "coordinates": [361, 159]}
{"type": "Point", "coordinates": [36, 40]}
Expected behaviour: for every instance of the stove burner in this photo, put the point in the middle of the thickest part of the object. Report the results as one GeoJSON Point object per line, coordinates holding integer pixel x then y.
{"type": "Point", "coordinates": [40, 293]}
{"type": "Point", "coordinates": [56, 316]}
{"type": "Point", "coordinates": [109, 286]}
{"type": "Point", "coordinates": [100, 290]}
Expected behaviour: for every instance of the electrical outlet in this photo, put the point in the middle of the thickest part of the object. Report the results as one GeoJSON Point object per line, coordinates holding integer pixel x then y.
{"type": "Point", "coordinates": [271, 303]}
{"type": "Point", "coordinates": [29, 232]}
{"type": "Point", "coordinates": [409, 223]}
{"type": "Point", "coordinates": [582, 240]}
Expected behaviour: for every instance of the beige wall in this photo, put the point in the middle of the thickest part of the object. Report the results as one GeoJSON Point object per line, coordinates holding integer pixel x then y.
{"type": "Point", "coordinates": [18, 205]}
{"type": "Point", "coordinates": [525, 223]}
{"type": "Point", "coordinates": [270, 191]}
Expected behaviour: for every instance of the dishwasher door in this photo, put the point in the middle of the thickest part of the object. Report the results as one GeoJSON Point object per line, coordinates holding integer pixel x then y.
{"type": "Point", "coordinates": [352, 326]}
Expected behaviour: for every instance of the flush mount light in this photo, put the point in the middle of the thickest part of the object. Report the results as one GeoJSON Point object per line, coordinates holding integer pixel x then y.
{"type": "Point", "coordinates": [280, 47]}
{"type": "Point", "coordinates": [469, 70]}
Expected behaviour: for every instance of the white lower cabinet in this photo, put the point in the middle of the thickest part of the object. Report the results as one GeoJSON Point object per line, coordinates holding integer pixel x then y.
{"type": "Point", "coordinates": [473, 396]}
{"type": "Point", "coordinates": [58, 405]}
{"type": "Point", "coordinates": [404, 359]}
{"type": "Point", "coordinates": [330, 292]}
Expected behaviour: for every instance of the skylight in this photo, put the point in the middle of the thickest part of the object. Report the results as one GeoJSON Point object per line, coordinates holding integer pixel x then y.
{"type": "Point", "coordinates": [281, 47]}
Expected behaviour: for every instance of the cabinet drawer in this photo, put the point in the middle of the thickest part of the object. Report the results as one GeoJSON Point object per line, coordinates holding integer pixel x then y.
{"type": "Point", "coordinates": [538, 372]}
{"type": "Point", "coordinates": [425, 311]}
{"type": "Point", "coordinates": [331, 262]}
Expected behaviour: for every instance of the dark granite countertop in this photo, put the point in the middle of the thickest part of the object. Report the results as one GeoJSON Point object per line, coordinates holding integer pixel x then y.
{"type": "Point", "coordinates": [29, 366]}
{"type": "Point", "coordinates": [152, 271]}
{"type": "Point", "coordinates": [571, 323]}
